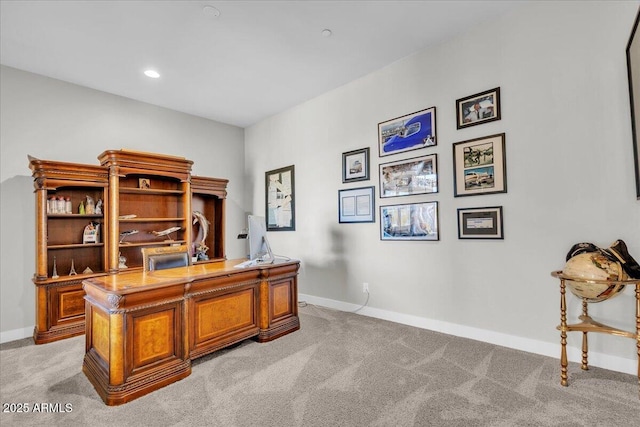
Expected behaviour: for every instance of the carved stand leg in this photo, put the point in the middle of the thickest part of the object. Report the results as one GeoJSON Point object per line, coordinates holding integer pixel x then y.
{"type": "Point", "coordinates": [563, 334]}
{"type": "Point", "coordinates": [638, 331]}
{"type": "Point", "coordinates": [585, 344]}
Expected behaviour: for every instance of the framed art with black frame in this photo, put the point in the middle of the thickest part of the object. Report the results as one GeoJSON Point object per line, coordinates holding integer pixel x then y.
{"type": "Point", "coordinates": [479, 166]}
{"type": "Point", "coordinates": [410, 132]}
{"type": "Point", "coordinates": [280, 209]}
{"type": "Point", "coordinates": [480, 223]}
{"type": "Point", "coordinates": [480, 108]}
{"type": "Point", "coordinates": [633, 70]}
{"type": "Point", "coordinates": [356, 205]}
{"type": "Point", "coordinates": [409, 177]}
{"type": "Point", "coordinates": [412, 221]}
{"type": "Point", "coordinates": [355, 165]}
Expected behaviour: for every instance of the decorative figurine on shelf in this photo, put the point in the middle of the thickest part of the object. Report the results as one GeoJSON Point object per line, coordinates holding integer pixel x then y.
{"type": "Point", "coordinates": [99, 207]}
{"type": "Point", "coordinates": [91, 233]}
{"type": "Point", "coordinates": [90, 206]}
{"type": "Point", "coordinates": [72, 272]}
{"type": "Point", "coordinates": [126, 234]}
{"type": "Point", "coordinates": [81, 208]}
{"type": "Point", "coordinates": [122, 261]}
{"type": "Point", "coordinates": [54, 275]}
{"type": "Point", "coordinates": [87, 271]}
{"type": "Point", "coordinates": [199, 246]}
{"type": "Point", "coordinates": [166, 232]}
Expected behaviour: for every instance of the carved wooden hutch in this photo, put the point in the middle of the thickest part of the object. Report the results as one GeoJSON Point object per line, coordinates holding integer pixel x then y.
{"type": "Point", "coordinates": [144, 196]}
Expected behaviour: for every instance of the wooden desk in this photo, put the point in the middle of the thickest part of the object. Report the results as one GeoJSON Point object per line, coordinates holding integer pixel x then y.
{"type": "Point", "coordinates": [144, 328]}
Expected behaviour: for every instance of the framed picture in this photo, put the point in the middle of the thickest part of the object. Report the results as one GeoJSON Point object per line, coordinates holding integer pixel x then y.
{"type": "Point", "coordinates": [280, 196]}
{"type": "Point", "coordinates": [411, 132]}
{"type": "Point", "coordinates": [356, 205]}
{"type": "Point", "coordinates": [418, 175]}
{"type": "Point", "coordinates": [355, 165]}
{"type": "Point", "coordinates": [480, 223]}
{"type": "Point", "coordinates": [414, 221]}
{"type": "Point", "coordinates": [480, 108]}
{"type": "Point", "coordinates": [633, 70]}
{"type": "Point", "coordinates": [479, 166]}
{"type": "Point", "coordinates": [144, 183]}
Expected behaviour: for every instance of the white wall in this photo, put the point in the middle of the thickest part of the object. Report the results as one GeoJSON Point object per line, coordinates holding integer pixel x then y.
{"type": "Point", "coordinates": [53, 120]}
{"type": "Point", "coordinates": [565, 111]}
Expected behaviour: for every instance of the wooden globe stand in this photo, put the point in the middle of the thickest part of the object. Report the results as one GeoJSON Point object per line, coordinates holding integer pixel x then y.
{"type": "Point", "coordinates": [587, 324]}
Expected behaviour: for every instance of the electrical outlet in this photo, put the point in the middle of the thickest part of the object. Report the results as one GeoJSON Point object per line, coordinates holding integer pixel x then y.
{"type": "Point", "coordinates": [365, 288]}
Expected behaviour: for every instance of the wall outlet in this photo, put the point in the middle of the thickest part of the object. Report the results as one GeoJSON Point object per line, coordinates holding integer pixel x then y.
{"type": "Point", "coordinates": [365, 288]}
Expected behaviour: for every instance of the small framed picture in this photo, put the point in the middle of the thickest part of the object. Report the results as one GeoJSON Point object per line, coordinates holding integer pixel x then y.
{"type": "Point", "coordinates": [414, 221]}
{"type": "Point", "coordinates": [355, 165]}
{"type": "Point", "coordinates": [144, 183]}
{"type": "Point", "coordinates": [480, 108]}
{"type": "Point", "coordinates": [411, 132]}
{"type": "Point", "coordinates": [356, 205]}
{"type": "Point", "coordinates": [418, 175]}
{"type": "Point", "coordinates": [479, 166]}
{"type": "Point", "coordinates": [480, 223]}
{"type": "Point", "coordinates": [280, 208]}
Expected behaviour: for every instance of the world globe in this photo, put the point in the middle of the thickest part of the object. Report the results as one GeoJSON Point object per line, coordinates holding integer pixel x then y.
{"type": "Point", "coordinates": [594, 266]}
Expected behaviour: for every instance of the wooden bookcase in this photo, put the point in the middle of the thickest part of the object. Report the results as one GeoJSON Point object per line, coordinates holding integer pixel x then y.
{"type": "Point", "coordinates": [208, 197]}
{"type": "Point", "coordinates": [62, 259]}
{"type": "Point", "coordinates": [146, 192]}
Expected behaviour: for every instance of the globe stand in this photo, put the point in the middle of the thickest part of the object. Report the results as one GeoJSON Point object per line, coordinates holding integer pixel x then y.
{"type": "Point", "coordinates": [587, 324]}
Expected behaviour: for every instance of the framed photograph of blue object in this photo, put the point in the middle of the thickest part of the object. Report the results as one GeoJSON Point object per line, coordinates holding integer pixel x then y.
{"type": "Point", "coordinates": [412, 221]}
{"type": "Point", "coordinates": [357, 205]}
{"type": "Point", "coordinates": [410, 132]}
{"type": "Point", "coordinates": [480, 223]}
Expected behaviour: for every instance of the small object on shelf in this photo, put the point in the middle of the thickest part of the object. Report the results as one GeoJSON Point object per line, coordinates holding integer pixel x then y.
{"type": "Point", "coordinates": [122, 261]}
{"type": "Point", "coordinates": [72, 272]}
{"type": "Point", "coordinates": [87, 271]}
{"type": "Point", "coordinates": [91, 233]}
{"type": "Point", "coordinates": [200, 247]}
{"type": "Point", "coordinates": [126, 234]}
{"type": "Point", "coordinates": [166, 232]}
{"type": "Point", "coordinates": [99, 207]}
{"type": "Point", "coordinates": [144, 183]}
{"type": "Point", "coordinates": [67, 206]}
{"type": "Point", "coordinates": [90, 206]}
{"type": "Point", "coordinates": [60, 205]}
{"type": "Point", "coordinates": [54, 275]}
{"type": "Point", "coordinates": [130, 216]}
{"type": "Point", "coordinates": [81, 208]}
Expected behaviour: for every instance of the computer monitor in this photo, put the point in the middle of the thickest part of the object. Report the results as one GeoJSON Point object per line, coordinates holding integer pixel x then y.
{"type": "Point", "coordinates": [259, 249]}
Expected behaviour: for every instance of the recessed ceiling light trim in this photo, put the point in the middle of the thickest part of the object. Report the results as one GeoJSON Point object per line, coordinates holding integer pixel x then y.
{"type": "Point", "coordinates": [326, 32]}
{"type": "Point", "coordinates": [152, 74]}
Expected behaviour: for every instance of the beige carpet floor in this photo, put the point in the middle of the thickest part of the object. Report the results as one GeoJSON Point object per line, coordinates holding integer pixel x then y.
{"type": "Point", "coordinates": [339, 369]}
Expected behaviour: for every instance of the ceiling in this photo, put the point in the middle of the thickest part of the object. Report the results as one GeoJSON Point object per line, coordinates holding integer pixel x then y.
{"type": "Point", "coordinates": [255, 59]}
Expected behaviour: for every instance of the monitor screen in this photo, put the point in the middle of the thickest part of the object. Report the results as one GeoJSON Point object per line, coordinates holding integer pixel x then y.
{"type": "Point", "coordinates": [259, 249]}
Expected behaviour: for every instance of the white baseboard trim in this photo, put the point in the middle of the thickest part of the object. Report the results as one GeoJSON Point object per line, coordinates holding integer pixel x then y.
{"type": "Point", "coordinates": [605, 361]}
{"type": "Point", "coordinates": [16, 334]}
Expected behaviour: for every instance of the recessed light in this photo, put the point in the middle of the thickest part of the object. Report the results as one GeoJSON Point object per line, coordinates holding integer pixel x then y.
{"type": "Point", "coordinates": [211, 11]}
{"type": "Point", "coordinates": [152, 73]}
{"type": "Point", "coordinates": [326, 32]}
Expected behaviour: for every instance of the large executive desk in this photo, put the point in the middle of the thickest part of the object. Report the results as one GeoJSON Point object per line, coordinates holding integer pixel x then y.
{"type": "Point", "coordinates": [144, 328]}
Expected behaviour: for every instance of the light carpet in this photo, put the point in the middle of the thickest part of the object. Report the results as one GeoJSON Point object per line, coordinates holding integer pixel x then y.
{"type": "Point", "coordinates": [339, 369]}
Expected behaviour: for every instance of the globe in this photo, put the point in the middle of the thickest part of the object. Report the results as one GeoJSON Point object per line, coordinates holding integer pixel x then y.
{"type": "Point", "coordinates": [593, 266]}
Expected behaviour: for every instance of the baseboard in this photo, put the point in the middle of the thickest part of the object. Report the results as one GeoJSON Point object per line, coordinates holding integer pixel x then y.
{"type": "Point", "coordinates": [605, 361]}
{"type": "Point", "coordinates": [16, 334]}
